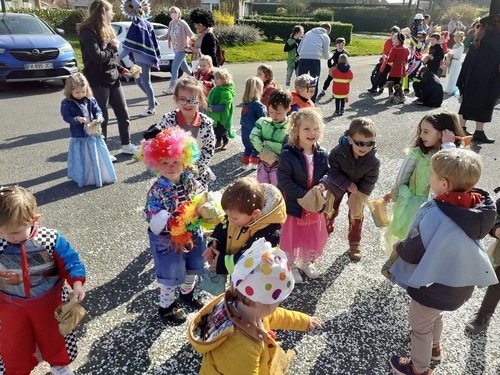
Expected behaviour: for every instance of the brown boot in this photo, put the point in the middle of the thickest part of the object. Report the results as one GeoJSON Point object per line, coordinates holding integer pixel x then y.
{"type": "Point", "coordinates": [354, 251]}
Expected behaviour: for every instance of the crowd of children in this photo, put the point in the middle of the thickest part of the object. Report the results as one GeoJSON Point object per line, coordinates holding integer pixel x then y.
{"type": "Point", "coordinates": [292, 204]}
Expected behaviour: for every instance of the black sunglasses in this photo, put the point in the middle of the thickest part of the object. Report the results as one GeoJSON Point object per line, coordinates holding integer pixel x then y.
{"type": "Point", "coordinates": [363, 144]}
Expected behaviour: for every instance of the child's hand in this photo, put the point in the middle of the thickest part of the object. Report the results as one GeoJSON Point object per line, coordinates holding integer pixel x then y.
{"type": "Point", "coordinates": [81, 120]}
{"type": "Point", "coordinates": [210, 253]}
{"type": "Point", "coordinates": [447, 136]}
{"type": "Point", "coordinates": [322, 188]}
{"type": "Point", "coordinates": [314, 323]}
{"type": "Point", "coordinates": [78, 291]}
{"type": "Point", "coordinates": [497, 232]}
{"type": "Point", "coordinates": [388, 197]}
{"type": "Point", "coordinates": [353, 189]}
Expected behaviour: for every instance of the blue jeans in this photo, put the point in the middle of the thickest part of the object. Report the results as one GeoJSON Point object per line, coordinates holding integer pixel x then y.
{"type": "Point", "coordinates": [144, 82]}
{"type": "Point", "coordinates": [171, 267]}
{"type": "Point", "coordinates": [179, 62]}
{"type": "Point", "coordinates": [311, 67]}
{"type": "Point", "coordinates": [249, 149]}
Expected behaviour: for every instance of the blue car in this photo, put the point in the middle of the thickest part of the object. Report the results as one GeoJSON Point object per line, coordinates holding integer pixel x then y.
{"type": "Point", "coordinates": [31, 51]}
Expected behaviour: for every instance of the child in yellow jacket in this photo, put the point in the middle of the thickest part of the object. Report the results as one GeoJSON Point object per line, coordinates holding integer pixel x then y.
{"type": "Point", "coordinates": [234, 331]}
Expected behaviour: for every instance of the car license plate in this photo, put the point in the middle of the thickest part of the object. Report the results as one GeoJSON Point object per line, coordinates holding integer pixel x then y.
{"type": "Point", "coordinates": [38, 66]}
{"type": "Point", "coordinates": [165, 62]}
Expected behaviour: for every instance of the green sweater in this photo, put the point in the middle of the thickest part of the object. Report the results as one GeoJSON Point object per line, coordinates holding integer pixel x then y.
{"type": "Point", "coordinates": [266, 130]}
{"type": "Point", "coordinates": [223, 95]}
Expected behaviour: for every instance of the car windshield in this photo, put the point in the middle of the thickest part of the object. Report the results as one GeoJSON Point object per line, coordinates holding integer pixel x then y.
{"type": "Point", "coordinates": [160, 30]}
{"type": "Point", "coordinates": [19, 25]}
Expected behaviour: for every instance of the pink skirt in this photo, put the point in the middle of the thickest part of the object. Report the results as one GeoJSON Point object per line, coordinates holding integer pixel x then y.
{"type": "Point", "coordinates": [304, 240]}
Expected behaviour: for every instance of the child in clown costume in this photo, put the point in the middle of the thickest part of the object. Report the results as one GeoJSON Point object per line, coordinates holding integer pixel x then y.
{"type": "Point", "coordinates": [234, 332]}
{"type": "Point", "coordinates": [34, 264]}
{"type": "Point", "coordinates": [175, 235]}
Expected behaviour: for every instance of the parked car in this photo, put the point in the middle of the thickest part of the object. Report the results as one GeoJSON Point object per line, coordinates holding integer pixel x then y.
{"type": "Point", "coordinates": [30, 50]}
{"type": "Point", "coordinates": [167, 54]}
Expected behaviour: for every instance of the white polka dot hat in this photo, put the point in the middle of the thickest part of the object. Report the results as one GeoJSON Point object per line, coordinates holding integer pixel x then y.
{"type": "Point", "coordinates": [263, 274]}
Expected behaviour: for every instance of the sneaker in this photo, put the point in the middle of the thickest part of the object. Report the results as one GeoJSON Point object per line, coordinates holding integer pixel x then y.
{"type": "Point", "coordinates": [436, 353]}
{"type": "Point", "coordinates": [168, 91]}
{"type": "Point", "coordinates": [479, 323]}
{"type": "Point", "coordinates": [341, 112]}
{"type": "Point", "coordinates": [309, 269]}
{"type": "Point", "coordinates": [403, 366]}
{"type": "Point", "coordinates": [130, 149]}
{"type": "Point", "coordinates": [148, 112]}
{"type": "Point", "coordinates": [192, 299]}
{"type": "Point", "coordinates": [172, 314]}
{"type": "Point", "coordinates": [337, 113]}
{"type": "Point", "coordinates": [61, 370]}
{"type": "Point", "coordinates": [321, 94]}
{"type": "Point", "coordinates": [253, 166]}
{"type": "Point", "coordinates": [380, 90]}
{"type": "Point", "coordinates": [218, 144]}
{"type": "Point", "coordinates": [296, 274]}
{"type": "Point", "coordinates": [372, 90]}
{"type": "Point", "coordinates": [224, 146]}
{"type": "Point", "coordinates": [112, 158]}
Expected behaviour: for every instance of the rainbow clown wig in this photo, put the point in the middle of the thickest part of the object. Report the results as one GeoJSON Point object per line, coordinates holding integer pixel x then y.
{"type": "Point", "coordinates": [171, 143]}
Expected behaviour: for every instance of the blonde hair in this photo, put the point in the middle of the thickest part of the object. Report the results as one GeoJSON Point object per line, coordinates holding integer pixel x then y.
{"type": "Point", "coordinates": [174, 9]}
{"type": "Point", "coordinates": [17, 206]}
{"type": "Point", "coordinates": [238, 296]}
{"type": "Point", "coordinates": [74, 81]}
{"type": "Point", "coordinates": [224, 75]}
{"type": "Point", "coordinates": [343, 59]}
{"type": "Point", "coordinates": [460, 34]}
{"type": "Point", "coordinates": [97, 21]}
{"type": "Point", "coordinates": [363, 126]}
{"type": "Point", "coordinates": [191, 84]}
{"type": "Point", "coordinates": [302, 81]}
{"type": "Point", "coordinates": [253, 89]}
{"type": "Point", "coordinates": [461, 167]}
{"type": "Point", "coordinates": [206, 58]}
{"type": "Point", "coordinates": [296, 120]}
{"type": "Point", "coordinates": [244, 195]}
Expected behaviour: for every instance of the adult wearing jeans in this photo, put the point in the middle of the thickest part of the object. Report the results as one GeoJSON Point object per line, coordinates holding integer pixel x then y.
{"type": "Point", "coordinates": [99, 47]}
{"type": "Point", "coordinates": [314, 46]}
{"type": "Point", "coordinates": [142, 47]}
{"type": "Point", "coordinates": [179, 34]}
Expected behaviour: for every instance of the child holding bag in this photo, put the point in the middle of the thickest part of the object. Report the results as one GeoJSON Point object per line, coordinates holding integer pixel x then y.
{"type": "Point", "coordinates": [302, 164]}
{"type": "Point", "coordinates": [89, 162]}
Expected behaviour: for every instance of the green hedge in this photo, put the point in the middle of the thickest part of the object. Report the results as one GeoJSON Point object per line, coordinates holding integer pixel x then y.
{"type": "Point", "coordinates": [375, 19]}
{"type": "Point", "coordinates": [282, 29]}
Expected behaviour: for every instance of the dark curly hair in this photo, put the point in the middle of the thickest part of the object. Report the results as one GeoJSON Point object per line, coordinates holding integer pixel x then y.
{"type": "Point", "coordinates": [202, 16]}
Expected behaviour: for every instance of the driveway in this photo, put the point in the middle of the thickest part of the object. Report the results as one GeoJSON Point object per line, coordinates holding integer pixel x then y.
{"type": "Point", "coordinates": [363, 315]}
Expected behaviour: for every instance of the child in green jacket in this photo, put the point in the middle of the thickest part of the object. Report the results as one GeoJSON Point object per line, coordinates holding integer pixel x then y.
{"type": "Point", "coordinates": [291, 47]}
{"type": "Point", "coordinates": [221, 107]}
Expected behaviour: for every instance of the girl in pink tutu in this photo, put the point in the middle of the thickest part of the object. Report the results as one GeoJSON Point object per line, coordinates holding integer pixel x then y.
{"type": "Point", "coordinates": [302, 164]}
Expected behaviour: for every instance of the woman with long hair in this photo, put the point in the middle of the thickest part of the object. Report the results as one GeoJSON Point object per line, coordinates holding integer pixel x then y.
{"type": "Point", "coordinates": [99, 54]}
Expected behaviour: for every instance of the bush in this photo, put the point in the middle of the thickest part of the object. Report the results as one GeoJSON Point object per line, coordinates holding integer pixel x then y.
{"type": "Point", "coordinates": [375, 19]}
{"type": "Point", "coordinates": [225, 19]}
{"type": "Point", "coordinates": [323, 14]}
{"type": "Point", "coordinates": [281, 10]}
{"type": "Point", "coordinates": [469, 13]}
{"type": "Point", "coordinates": [236, 35]}
{"type": "Point", "coordinates": [75, 17]}
{"type": "Point", "coordinates": [282, 29]}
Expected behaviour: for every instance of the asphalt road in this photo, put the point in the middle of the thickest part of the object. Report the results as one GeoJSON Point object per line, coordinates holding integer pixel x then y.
{"type": "Point", "coordinates": [364, 316]}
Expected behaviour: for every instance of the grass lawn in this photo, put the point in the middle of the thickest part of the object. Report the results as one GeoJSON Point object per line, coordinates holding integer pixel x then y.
{"type": "Point", "coordinates": [267, 50]}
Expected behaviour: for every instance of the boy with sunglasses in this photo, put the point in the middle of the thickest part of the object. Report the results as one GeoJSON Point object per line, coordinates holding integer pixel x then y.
{"type": "Point", "coordinates": [354, 170]}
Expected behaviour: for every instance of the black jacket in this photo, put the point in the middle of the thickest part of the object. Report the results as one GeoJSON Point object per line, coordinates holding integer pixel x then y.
{"type": "Point", "coordinates": [429, 90]}
{"type": "Point", "coordinates": [345, 169]}
{"type": "Point", "coordinates": [292, 175]}
{"type": "Point", "coordinates": [209, 47]}
{"type": "Point", "coordinates": [99, 61]}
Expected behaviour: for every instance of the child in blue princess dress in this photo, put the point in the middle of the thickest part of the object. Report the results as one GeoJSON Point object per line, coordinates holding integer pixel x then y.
{"type": "Point", "coordinates": [89, 162]}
